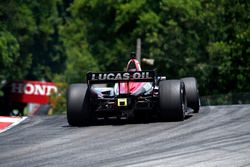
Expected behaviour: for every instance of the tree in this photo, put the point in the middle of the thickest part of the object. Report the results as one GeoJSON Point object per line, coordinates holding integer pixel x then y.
{"type": "Point", "coordinates": [31, 30]}
{"type": "Point", "coordinates": [64, 39]}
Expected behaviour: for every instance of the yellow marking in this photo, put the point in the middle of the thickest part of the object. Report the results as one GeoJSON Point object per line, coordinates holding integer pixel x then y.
{"type": "Point", "coordinates": [122, 102]}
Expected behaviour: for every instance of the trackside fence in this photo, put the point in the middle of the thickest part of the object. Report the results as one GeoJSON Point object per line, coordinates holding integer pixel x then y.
{"type": "Point", "coordinates": [226, 99]}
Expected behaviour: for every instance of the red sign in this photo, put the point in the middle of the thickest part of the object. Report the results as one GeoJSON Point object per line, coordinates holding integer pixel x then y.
{"type": "Point", "coordinates": [32, 91]}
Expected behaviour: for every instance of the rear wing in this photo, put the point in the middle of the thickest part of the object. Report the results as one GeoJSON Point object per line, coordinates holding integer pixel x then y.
{"type": "Point", "coordinates": [113, 77]}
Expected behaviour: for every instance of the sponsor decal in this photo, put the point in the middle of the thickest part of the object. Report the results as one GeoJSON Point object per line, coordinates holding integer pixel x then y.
{"type": "Point", "coordinates": [121, 76]}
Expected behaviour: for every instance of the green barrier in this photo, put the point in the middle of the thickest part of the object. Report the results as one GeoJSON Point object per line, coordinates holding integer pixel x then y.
{"type": "Point", "coordinates": [226, 99]}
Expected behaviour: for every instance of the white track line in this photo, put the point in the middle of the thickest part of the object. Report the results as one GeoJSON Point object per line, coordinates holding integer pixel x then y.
{"type": "Point", "coordinates": [9, 119]}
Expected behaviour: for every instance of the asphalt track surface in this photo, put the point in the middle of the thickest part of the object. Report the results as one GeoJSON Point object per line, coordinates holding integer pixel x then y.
{"type": "Point", "coordinates": [217, 136]}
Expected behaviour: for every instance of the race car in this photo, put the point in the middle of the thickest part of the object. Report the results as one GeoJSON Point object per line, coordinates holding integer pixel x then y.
{"type": "Point", "coordinates": [131, 94]}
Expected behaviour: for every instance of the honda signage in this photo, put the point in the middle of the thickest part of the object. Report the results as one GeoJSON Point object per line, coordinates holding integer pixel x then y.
{"type": "Point", "coordinates": [32, 91]}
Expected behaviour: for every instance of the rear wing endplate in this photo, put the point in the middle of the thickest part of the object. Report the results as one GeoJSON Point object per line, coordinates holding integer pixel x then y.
{"type": "Point", "coordinates": [113, 77]}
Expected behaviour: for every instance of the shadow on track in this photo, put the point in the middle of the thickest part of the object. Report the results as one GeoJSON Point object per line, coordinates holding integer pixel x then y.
{"type": "Point", "coordinates": [113, 121]}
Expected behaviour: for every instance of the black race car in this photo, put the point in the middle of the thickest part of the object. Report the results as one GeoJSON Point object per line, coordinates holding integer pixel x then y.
{"type": "Point", "coordinates": [132, 93]}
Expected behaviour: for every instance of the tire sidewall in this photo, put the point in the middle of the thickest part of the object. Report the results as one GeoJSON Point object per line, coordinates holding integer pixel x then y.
{"type": "Point", "coordinates": [78, 105]}
{"type": "Point", "coordinates": [172, 103]}
{"type": "Point", "coordinates": [192, 93]}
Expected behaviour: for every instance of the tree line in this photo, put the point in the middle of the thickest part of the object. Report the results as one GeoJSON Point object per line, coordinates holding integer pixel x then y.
{"type": "Point", "coordinates": [61, 40]}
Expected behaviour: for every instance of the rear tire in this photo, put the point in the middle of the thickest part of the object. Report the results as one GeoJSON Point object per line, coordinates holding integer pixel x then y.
{"type": "Point", "coordinates": [172, 100]}
{"type": "Point", "coordinates": [78, 107]}
{"type": "Point", "coordinates": [192, 93]}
